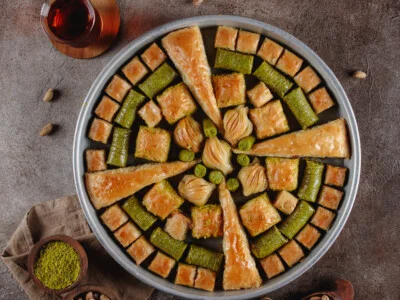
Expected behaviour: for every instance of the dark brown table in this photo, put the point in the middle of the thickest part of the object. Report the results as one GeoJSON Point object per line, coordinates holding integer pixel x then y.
{"type": "Point", "coordinates": [348, 35]}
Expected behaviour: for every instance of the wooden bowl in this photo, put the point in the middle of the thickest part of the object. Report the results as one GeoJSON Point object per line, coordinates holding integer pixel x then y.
{"type": "Point", "coordinates": [344, 291]}
{"type": "Point", "coordinates": [90, 288]}
{"type": "Point", "coordinates": [33, 255]}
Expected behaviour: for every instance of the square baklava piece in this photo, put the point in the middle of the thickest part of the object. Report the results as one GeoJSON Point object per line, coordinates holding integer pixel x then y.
{"type": "Point", "coordinates": [117, 88]}
{"type": "Point", "coordinates": [135, 70]}
{"type": "Point", "coordinates": [153, 144]}
{"type": "Point", "coordinates": [153, 56]}
{"type": "Point", "coordinates": [269, 120]}
{"type": "Point", "coordinates": [282, 173]}
{"type": "Point", "coordinates": [259, 95]}
{"type": "Point", "coordinates": [226, 37]}
{"type": "Point", "coordinates": [270, 51]}
{"type": "Point", "coordinates": [230, 89]}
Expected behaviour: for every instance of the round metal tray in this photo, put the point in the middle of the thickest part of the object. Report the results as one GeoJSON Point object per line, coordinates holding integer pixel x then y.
{"type": "Point", "coordinates": [344, 110]}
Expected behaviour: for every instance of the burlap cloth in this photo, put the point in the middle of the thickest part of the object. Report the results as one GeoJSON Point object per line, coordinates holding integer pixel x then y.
{"type": "Point", "coordinates": [65, 216]}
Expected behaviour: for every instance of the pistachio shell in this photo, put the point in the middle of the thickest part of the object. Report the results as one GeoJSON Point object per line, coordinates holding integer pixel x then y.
{"type": "Point", "coordinates": [197, 3]}
{"type": "Point", "coordinates": [360, 75]}
{"type": "Point", "coordinates": [48, 96]}
{"type": "Point", "coordinates": [46, 130]}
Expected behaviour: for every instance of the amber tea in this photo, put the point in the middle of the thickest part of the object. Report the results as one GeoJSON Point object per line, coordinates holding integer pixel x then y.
{"type": "Point", "coordinates": [73, 22]}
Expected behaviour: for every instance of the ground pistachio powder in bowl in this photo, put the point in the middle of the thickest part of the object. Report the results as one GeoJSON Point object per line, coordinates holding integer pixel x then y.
{"type": "Point", "coordinates": [58, 265]}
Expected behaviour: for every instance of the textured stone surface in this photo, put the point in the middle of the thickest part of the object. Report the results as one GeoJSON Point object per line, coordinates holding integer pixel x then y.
{"type": "Point", "coordinates": [348, 35]}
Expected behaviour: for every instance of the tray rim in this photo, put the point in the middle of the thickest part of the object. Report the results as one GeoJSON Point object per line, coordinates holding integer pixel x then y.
{"type": "Point", "coordinates": [345, 109]}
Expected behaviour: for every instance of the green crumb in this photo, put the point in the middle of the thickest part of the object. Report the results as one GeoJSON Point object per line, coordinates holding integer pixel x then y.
{"type": "Point", "coordinates": [58, 265]}
{"type": "Point", "coordinates": [209, 128]}
{"type": "Point", "coordinates": [246, 143]}
{"type": "Point", "coordinates": [200, 170]}
{"type": "Point", "coordinates": [232, 184]}
{"type": "Point", "coordinates": [216, 177]}
{"type": "Point", "coordinates": [243, 160]}
{"type": "Point", "coordinates": [186, 155]}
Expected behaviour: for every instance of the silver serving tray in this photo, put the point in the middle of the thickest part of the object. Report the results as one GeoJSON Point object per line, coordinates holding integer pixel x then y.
{"type": "Point", "coordinates": [344, 110]}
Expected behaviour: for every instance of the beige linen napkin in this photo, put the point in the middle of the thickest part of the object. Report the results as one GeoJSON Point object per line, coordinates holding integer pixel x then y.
{"type": "Point", "coordinates": [65, 216]}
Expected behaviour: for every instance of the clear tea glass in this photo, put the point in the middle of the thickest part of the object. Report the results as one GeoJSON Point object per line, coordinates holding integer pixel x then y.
{"type": "Point", "coordinates": [72, 22]}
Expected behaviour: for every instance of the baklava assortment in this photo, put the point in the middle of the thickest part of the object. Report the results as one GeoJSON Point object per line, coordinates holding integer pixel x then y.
{"type": "Point", "coordinates": [216, 177]}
